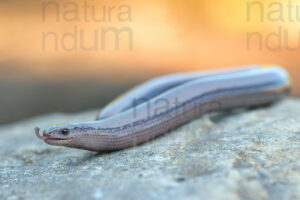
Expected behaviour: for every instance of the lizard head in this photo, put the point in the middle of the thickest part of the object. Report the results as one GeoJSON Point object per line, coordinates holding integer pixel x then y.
{"type": "Point", "coordinates": [59, 136]}
{"type": "Point", "coordinates": [74, 136]}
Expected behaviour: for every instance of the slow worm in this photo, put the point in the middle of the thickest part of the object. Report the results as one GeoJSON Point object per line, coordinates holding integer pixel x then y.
{"type": "Point", "coordinates": [167, 102]}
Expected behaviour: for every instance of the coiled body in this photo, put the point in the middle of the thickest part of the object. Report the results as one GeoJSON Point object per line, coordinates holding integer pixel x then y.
{"type": "Point", "coordinates": [167, 102]}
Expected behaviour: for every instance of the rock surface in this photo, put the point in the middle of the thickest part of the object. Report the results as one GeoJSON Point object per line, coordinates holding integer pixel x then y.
{"type": "Point", "coordinates": [243, 154]}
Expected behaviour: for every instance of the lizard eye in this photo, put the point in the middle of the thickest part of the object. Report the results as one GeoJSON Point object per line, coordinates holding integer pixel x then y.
{"type": "Point", "coordinates": [65, 131]}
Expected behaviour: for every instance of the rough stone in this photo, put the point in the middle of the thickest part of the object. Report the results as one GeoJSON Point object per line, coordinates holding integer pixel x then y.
{"type": "Point", "coordinates": [239, 154]}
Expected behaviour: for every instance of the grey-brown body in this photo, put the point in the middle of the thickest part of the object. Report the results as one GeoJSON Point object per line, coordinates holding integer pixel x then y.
{"type": "Point", "coordinates": [172, 108]}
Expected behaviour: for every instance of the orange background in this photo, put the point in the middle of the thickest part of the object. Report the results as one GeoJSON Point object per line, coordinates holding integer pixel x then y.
{"type": "Point", "coordinates": [168, 36]}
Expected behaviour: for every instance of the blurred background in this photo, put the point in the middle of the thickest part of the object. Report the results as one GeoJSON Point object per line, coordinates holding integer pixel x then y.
{"type": "Point", "coordinates": [68, 56]}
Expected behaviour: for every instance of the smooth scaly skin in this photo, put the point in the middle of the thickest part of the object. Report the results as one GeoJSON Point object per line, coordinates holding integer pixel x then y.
{"type": "Point", "coordinates": [156, 86]}
{"type": "Point", "coordinates": [175, 105]}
